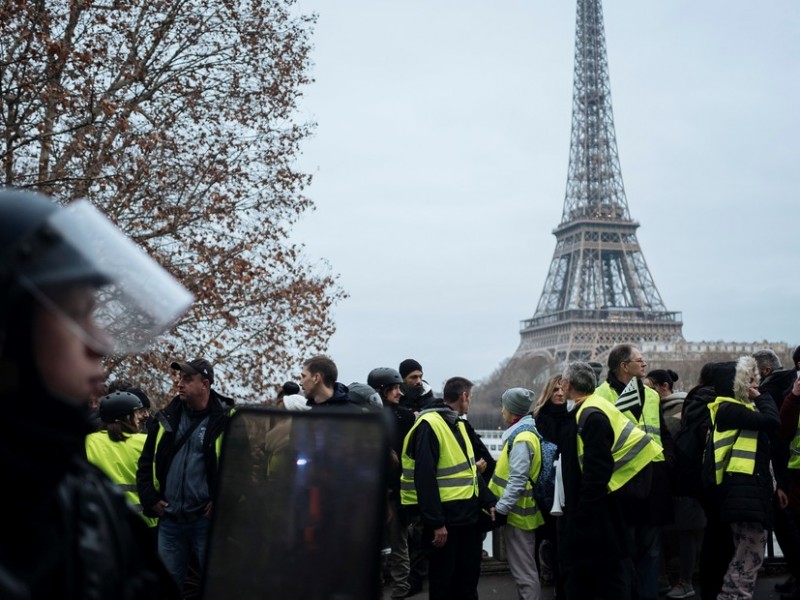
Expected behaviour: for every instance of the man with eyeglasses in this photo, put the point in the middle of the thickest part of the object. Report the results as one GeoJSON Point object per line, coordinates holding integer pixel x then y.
{"type": "Point", "coordinates": [646, 514]}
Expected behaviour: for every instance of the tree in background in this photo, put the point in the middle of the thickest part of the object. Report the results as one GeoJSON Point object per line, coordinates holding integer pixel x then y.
{"type": "Point", "coordinates": [176, 118]}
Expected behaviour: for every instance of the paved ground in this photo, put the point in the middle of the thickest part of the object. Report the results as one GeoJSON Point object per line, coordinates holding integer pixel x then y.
{"type": "Point", "coordinates": [501, 587]}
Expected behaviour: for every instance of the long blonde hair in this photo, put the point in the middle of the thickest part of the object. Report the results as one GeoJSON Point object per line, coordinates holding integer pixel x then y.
{"type": "Point", "coordinates": [547, 393]}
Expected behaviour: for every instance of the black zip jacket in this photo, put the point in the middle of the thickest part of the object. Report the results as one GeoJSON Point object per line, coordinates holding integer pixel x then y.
{"type": "Point", "coordinates": [169, 418]}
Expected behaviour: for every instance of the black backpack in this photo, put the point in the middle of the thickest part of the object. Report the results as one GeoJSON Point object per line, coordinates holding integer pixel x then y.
{"type": "Point", "coordinates": [690, 444]}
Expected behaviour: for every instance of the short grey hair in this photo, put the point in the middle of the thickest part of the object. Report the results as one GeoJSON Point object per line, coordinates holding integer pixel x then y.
{"type": "Point", "coordinates": [581, 377]}
{"type": "Point", "coordinates": [767, 358]}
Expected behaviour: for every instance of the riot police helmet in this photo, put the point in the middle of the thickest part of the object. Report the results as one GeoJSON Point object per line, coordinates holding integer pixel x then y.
{"type": "Point", "coordinates": [47, 251]}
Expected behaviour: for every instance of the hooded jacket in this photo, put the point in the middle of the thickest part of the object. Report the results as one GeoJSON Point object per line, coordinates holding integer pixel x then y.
{"type": "Point", "coordinates": [743, 497]}
{"type": "Point", "coordinates": [339, 399]}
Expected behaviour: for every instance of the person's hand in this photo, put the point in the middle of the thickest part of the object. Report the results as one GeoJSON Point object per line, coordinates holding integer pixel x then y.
{"type": "Point", "coordinates": [783, 499]}
{"type": "Point", "coordinates": [439, 537]}
{"type": "Point", "coordinates": [159, 507]}
{"type": "Point", "coordinates": [207, 510]}
{"type": "Point", "coordinates": [481, 465]}
{"type": "Point", "coordinates": [796, 387]}
{"type": "Point", "coordinates": [752, 392]}
{"type": "Point", "coordinates": [499, 518]}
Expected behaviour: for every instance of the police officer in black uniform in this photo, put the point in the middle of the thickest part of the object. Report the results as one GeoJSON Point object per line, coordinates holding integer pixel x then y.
{"type": "Point", "coordinates": [69, 532]}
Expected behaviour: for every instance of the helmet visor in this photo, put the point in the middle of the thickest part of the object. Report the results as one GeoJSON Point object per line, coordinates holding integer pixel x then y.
{"type": "Point", "coordinates": [131, 299]}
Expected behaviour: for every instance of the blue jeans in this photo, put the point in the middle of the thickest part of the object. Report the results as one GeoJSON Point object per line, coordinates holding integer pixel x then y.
{"type": "Point", "coordinates": [176, 542]}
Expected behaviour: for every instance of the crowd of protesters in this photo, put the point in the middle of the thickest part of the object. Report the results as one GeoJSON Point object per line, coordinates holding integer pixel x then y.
{"type": "Point", "coordinates": [647, 481]}
{"type": "Point", "coordinates": [659, 490]}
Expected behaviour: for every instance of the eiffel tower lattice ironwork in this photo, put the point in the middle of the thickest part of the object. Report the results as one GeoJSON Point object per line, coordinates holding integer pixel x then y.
{"type": "Point", "coordinates": [599, 291]}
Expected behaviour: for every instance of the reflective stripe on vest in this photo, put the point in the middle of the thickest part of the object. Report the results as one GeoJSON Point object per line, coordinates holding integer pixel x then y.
{"type": "Point", "coordinates": [456, 473]}
{"type": "Point", "coordinates": [794, 449]}
{"type": "Point", "coordinates": [650, 419]}
{"type": "Point", "coordinates": [734, 449]}
{"type": "Point", "coordinates": [632, 450]}
{"type": "Point", "coordinates": [524, 514]}
{"type": "Point", "coordinates": [119, 461]}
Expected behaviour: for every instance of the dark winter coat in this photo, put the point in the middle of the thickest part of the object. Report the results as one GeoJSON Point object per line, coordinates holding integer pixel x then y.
{"type": "Point", "coordinates": [741, 497]}
{"type": "Point", "coordinates": [777, 384]}
{"type": "Point", "coordinates": [790, 415]}
{"type": "Point", "coordinates": [219, 408]}
{"type": "Point", "coordinates": [71, 533]}
{"type": "Point", "coordinates": [551, 420]}
{"type": "Point", "coordinates": [401, 421]}
{"type": "Point", "coordinates": [338, 400]}
{"type": "Point", "coordinates": [593, 527]}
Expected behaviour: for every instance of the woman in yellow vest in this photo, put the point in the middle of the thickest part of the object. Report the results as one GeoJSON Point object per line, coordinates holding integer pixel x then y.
{"type": "Point", "coordinates": [743, 419]}
{"type": "Point", "coordinates": [518, 465]}
{"type": "Point", "coordinates": [116, 448]}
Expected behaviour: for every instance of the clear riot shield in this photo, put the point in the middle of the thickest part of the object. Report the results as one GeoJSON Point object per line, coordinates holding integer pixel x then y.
{"type": "Point", "coordinates": [299, 512]}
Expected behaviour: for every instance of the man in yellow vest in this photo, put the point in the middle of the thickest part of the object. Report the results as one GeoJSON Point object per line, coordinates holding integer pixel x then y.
{"type": "Point", "coordinates": [624, 387]}
{"type": "Point", "coordinates": [601, 451]}
{"type": "Point", "coordinates": [440, 483]}
{"type": "Point", "coordinates": [519, 464]}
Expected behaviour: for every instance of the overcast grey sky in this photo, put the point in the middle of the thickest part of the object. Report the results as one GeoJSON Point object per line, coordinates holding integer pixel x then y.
{"type": "Point", "coordinates": [440, 165]}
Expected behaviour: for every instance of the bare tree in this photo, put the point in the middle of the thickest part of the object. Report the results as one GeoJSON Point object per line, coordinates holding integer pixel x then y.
{"type": "Point", "coordinates": [177, 119]}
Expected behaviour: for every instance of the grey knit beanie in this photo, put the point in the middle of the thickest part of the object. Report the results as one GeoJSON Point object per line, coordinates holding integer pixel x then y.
{"type": "Point", "coordinates": [517, 401]}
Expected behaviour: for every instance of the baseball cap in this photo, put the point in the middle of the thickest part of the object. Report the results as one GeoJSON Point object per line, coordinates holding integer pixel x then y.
{"type": "Point", "coordinates": [198, 366]}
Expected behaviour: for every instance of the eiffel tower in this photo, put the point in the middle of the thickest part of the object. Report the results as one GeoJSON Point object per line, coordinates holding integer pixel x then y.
{"type": "Point", "coordinates": [599, 291]}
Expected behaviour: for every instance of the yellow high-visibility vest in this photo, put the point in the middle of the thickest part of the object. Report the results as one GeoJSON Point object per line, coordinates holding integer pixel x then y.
{"type": "Point", "coordinates": [525, 514]}
{"type": "Point", "coordinates": [734, 449]}
{"type": "Point", "coordinates": [794, 449]}
{"type": "Point", "coordinates": [119, 460]}
{"type": "Point", "coordinates": [650, 419]}
{"type": "Point", "coordinates": [456, 473]}
{"type": "Point", "coordinates": [632, 449]}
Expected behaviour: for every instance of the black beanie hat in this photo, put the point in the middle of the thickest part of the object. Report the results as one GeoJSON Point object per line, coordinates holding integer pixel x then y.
{"type": "Point", "coordinates": [409, 365]}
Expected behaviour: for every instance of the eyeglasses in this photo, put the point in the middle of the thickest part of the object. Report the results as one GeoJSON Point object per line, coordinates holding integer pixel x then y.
{"type": "Point", "coordinates": [641, 361]}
